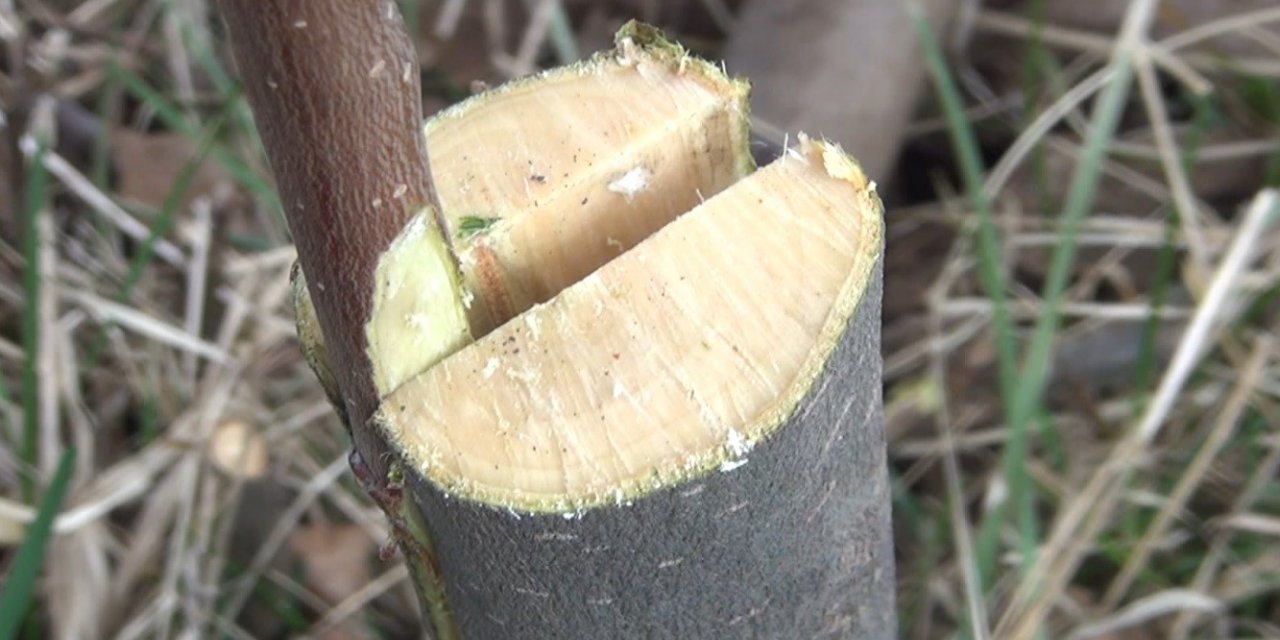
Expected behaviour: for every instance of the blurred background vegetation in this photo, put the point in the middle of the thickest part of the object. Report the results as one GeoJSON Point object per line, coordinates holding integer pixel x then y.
{"type": "Point", "coordinates": [1082, 382]}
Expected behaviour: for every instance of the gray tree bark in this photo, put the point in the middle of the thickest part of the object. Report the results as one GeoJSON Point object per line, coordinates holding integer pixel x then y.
{"type": "Point", "coordinates": [795, 544]}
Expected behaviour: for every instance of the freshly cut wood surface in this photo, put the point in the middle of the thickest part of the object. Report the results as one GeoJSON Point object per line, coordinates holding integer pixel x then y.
{"type": "Point", "coordinates": [543, 180]}
{"type": "Point", "coordinates": [671, 360]}
{"type": "Point", "coordinates": [540, 182]}
{"type": "Point", "coordinates": [419, 311]}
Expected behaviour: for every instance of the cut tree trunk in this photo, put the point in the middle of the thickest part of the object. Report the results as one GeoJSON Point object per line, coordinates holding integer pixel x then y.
{"type": "Point", "coordinates": [686, 443]}
{"type": "Point", "coordinates": [668, 423]}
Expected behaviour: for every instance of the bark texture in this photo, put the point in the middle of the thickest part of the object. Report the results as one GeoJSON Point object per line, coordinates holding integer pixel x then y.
{"type": "Point", "coordinates": [335, 92]}
{"type": "Point", "coordinates": [794, 544]}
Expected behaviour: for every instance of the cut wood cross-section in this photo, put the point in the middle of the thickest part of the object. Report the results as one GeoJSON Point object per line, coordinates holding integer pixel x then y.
{"type": "Point", "coordinates": [672, 360]}
{"type": "Point", "coordinates": [687, 439]}
{"type": "Point", "coordinates": [631, 385]}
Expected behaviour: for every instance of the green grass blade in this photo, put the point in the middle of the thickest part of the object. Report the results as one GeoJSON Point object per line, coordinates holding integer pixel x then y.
{"type": "Point", "coordinates": [1033, 375]}
{"type": "Point", "coordinates": [1080, 198]}
{"type": "Point", "coordinates": [20, 586]}
{"type": "Point", "coordinates": [178, 191]}
{"type": "Point", "coordinates": [965, 143]}
{"type": "Point", "coordinates": [1079, 201]}
{"type": "Point", "coordinates": [162, 224]}
{"type": "Point", "coordinates": [174, 120]}
{"type": "Point", "coordinates": [211, 64]}
{"type": "Point", "coordinates": [990, 259]}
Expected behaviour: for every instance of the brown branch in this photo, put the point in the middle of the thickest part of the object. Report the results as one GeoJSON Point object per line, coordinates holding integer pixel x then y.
{"type": "Point", "coordinates": [335, 91]}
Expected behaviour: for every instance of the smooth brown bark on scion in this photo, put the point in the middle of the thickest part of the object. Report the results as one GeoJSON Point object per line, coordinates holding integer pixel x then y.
{"type": "Point", "coordinates": [335, 91]}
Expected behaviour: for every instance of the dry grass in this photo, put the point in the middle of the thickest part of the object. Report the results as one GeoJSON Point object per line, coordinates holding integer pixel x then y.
{"type": "Point", "coordinates": [144, 321]}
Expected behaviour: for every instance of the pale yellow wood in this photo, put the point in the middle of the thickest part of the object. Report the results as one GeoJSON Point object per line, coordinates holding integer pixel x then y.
{"type": "Point", "coordinates": [673, 358]}
{"type": "Point", "coordinates": [577, 165]}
